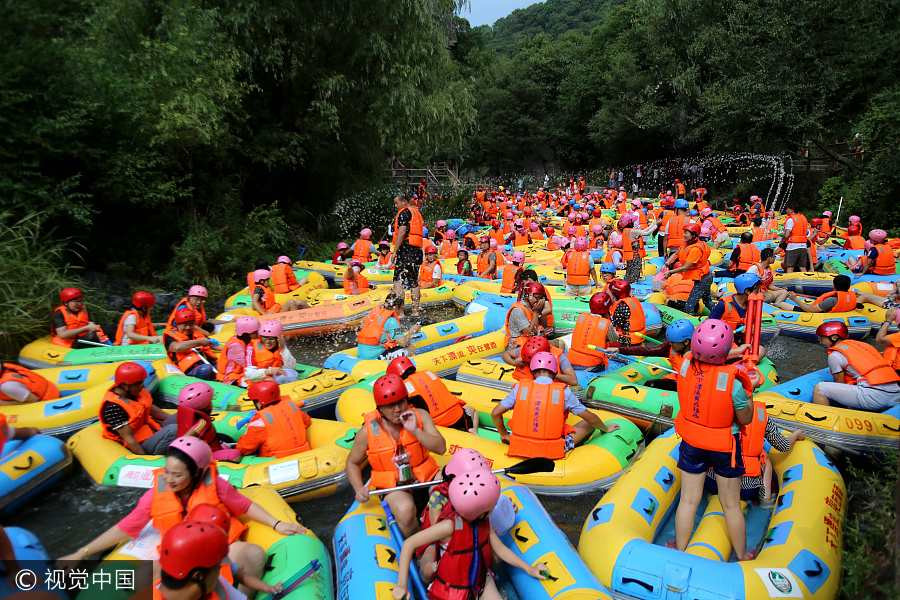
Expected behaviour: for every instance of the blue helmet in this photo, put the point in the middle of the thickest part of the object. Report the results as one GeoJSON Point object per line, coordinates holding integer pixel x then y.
{"type": "Point", "coordinates": [679, 331]}
{"type": "Point", "coordinates": [744, 282]}
{"type": "Point", "coordinates": [681, 203]}
{"type": "Point", "coordinates": [608, 268]}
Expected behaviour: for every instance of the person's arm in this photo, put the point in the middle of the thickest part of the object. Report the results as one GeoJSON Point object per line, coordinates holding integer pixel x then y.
{"type": "Point", "coordinates": [158, 414]}
{"type": "Point", "coordinates": [260, 515]}
{"type": "Point", "coordinates": [108, 539]}
{"type": "Point", "coordinates": [811, 307]}
{"type": "Point", "coordinates": [426, 537]}
{"type": "Point", "coordinates": [881, 338]}
{"type": "Point", "coordinates": [356, 460]}
{"type": "Point", "coordinates": [66, 333]}
{"type": "Point", "coordinates": [128, 439]}
{"type": "Point", "coordinates": [18, 393]}
{"type": "Point", "coordinates": [252, 438]}
{"type": "Point", "coordinates": [566, 374]}
{"type": "Point", "coordinates": [511, 558]}
{"type": "Point", "coordinates": [497, 414]}
{"type": "Point", "coordinates": [186, 345]}
{"type": "Point", "coordinates": [510, 357]}
{"type": "Point", "coordinates": [428, 435]}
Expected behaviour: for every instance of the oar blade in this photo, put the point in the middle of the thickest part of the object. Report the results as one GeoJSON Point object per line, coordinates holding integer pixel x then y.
{"type": "Point", "coordinates": [528, 466]}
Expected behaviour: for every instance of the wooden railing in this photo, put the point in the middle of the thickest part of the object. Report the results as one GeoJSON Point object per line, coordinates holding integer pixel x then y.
{"type": "Point", "coordinates": [438, 174]}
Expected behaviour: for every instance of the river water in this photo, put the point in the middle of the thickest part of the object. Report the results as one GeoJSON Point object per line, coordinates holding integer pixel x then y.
{"type": "Point", "coordinates": [77, 510]}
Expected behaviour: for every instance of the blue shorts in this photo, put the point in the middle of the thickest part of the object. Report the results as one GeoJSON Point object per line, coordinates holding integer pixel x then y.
{"type": "Point", "coordinates": [697, 460]}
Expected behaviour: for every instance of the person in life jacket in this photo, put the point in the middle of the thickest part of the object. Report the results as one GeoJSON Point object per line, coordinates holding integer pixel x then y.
{"type": "Point", "coordinates": [520, 356]}
{"type": "Point", "coordinates": [519, 236]}
{"type": "Point", "coordinates": [268, 357]}
{"type": "Point", "coordinates": [408, 239]}
{"type": "Point", "coordinates": [71, 326]}
{"type": "Point", "coordinates": [341, 253]}
{"type": "Point", "coordinates": [795, 243]}
{"type": "Point", "coordinates": [531, 315]}
{"type": "Point", "coordinates": [279, 427]}
{"type": "Point", "coordinates": [879, 258]}
{"type": "Point", "coordinates": [580, 269]}
{"type": "Point", "coordinates": [188, 480]}
{"type": "Point", "coordinates": [487, 260]}
{"type": "Point", "coordinates": [188, 349]}
{"type": "Point", "coordinates": [677, 344]}
{"type": "Point", "coordinates": [466, 524]}
{"type": "Point", "coordinates": [540, 406]}
{"type": "Point", "coordinates": [511, 273]}
{"type": "Point", "coordinates": [627, 314]}
{"type": "Point", "coordinates": [863, 378]}
{"type": "Point", "coordinates": [136, 324]}
{"type": "Point", "coordinates": [675, 226]}
{"type": "Point", "coordinates": [744, 255]}
{"type": "Point", "coordinates": [284, 281]}
{"type": "Point", "coordinates": [732, 308]}
{"type": "Point", "coordinates": [714, 399]}
{"type": "Point", "coordinates": [380, 331]}
{"type": "Point", "coordinates": [232, 359]}
{"type": "Point", "coordinates": [19, 385]}
{"type": "Point", "coordinates": [129, 417]}
{"type": "Point", "coordinates": [362, 249]}
{"type": "Point", "coordinates": [194, 417]}
{"type": "Point", "coordinates": [385, 258]}
{"type": "Point", "coordinates": [463, 264]}
{"type": "Point", "coordinates": [355, 282]}
{"type": "Point", "coordinates": [593, 331]}
{"type": "Point", "coordinates": [195, 301]}
{"type": "Point", "coordinates": [263, 296]}
{"type": "Point", "coordinates": [758, 232]}
{"type": "Point", "coordinates": [890, 342]}
{"type": "Point", "coordinates": [774, 295]}
{"type": "Point", "coordinates": [396, 440]}
{"type": "Point", "coordinates": [430, 272]}
{"type": "Point", "coordinates": [535, 232]}
{"type": "Point", "coordinates": [427, 391]}
{"type": "Point", "coordinates": [855, 242]}
{"type": "Point", "coordinates": [448, 246]}
{"type": "Point", "coordinates": [693, 263]}
{"type": "Point", "coordinates": [841, 299]}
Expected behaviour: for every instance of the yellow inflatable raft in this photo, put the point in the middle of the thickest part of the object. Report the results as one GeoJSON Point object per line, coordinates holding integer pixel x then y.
{"type": "Point", "coordinates": [799, 539]}
{"type": "Point", "coordinates": [241, 298]}
{"type": "Point", "coordinates": [316, 320]}
{"type": "Point", "coordinates": [428, 297]}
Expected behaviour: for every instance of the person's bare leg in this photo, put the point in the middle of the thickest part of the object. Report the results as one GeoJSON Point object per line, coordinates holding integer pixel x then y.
{"type": "Point", "coordinates": [416, 296]}
{"type": "Point", "coordinates": [767, 482]}
{"type": "Point", "coordinates": [691, 493]}
{"type": "Point", "coordinates": [730, 497]}
{"type": "Point", "coordinates": [819, 397]}
{"type": "Point", "coordinates": [404, 510]}
{"type": "Point", "coordinates": [865, 297]}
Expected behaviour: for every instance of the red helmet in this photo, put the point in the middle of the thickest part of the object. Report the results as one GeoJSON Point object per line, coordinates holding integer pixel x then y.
{"type": "Point", "coordinates": [830, 328]}
{"type": "Point", "coordinates": [600, 303]}
{"type": "Point", "coordinates": [184, 316]}
{"type": "Point", "coordinates": [209, 513]}
{"type": "Point", "coordinates": [389, 389]}
{"type": "Point", "coordinates": [620, 288]}
{"type": "Point", "coordinates": [69, 294]}
{"type": "Point", "coordinates": [533, 287]}
{"type": "Point", "coordinates": [549, 231]}
{"type": "Point", "coordinates": [401, 367]}
{"type": "Point", "coordinates": [192, 545]}
{"type": "Point", "coordinates": [495, 223]}
{"type": "Point", "coordinates": [534, 344]}
{"type": "Point", "coordinates": [142, 299]}
{"type": "Point", "coordinates": [693, 228]}
{"type": "Point", "coordinates": [130, 373]}
{"type": "Point", "coordinates": [264, 393]}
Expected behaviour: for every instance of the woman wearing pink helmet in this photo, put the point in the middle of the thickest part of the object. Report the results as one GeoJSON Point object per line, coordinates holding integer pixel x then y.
{"type": "Point", "coordinates": [263, 299]}
{"type": "Point", "coordinates": [233, 357]}
{"type": "Point", "coordinates": [188, 480]}
{"type": "Point", "coordinates": [714, 398]}
{"type": "Point", "coordinates": [355, 282]}
{"type": "Point", "coordinates": [362, 249]}
{"type": "Point", "coordinates": [633, 252]}
{"type": "Point", "coordinates": [194, 417]}
{"type": "Point", "coordinates": [283, 279]}
{"type": "Point", "coordinates": [269, 357]}
{"type": "Point", "coordinates": [196, 301]}
{"type": "Point", "coordinates": [511, 273]}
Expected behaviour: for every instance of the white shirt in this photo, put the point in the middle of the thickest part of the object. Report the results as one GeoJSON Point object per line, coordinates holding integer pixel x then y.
{"type": "Point", "coordinates": [788, 227]}
{"type": "Point", "coordinates": [131, 319]}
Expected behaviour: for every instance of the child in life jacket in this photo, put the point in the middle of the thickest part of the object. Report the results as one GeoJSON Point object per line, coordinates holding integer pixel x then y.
{"type": "Point", "coordinates": [194, 417]}
{"type": "Point", "coordinates": [463, 264]}
{"type": "Point", "coordinates": [341, 253]}
{"type": "Point", "coordinates": [385, 258]}
{"type": "Point", "coordinates": [355, 282]}
{"type": "Point", "coordinates": [463, 569]}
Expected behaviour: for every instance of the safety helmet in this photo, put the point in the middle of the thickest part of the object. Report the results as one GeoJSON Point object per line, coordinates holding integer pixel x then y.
{"type": "Point", "coordinates": [142, 299]}
{"type": "Point", "coordinates": [833, 328]}
{"type": "Point", "coordinates": [485, 239]}
{"type": "Point", "coordinates": [532, 346]}
{"type": "Point", "coordinates": [620, 288]}
{"type": "Point", "coordinates": [264, 393]}
{"type": "Point", "coordinates": [365, 233]}
{"type": "Point", "coordinates": [401, 366]}
{"type": "Point", "coordinates": [581, 243]}
{"type": "Point", "coordinates": [129, 373]}
{"type": "Point", "coordinates": [508, 216]}
{"type": "Point", "coordinates": [536, 288]}
{"type": "Point", "coordinates": [878, 235]}
{"type": "Point", "coordinates": [465, 460]}
{"type": "Point", "coordinates": [450, 235]}
{"type": "Point", "coordinates": [680, 330]}
{"type": "Point", "coordinates": [534, 226]}
{"type": "Point", "coordinates": [440, 223]}
{"type": "Point", "coordinates": [519, 223]}
{"type": "Point", "coordinates": [191, 545]}
{"type": "Point", "coordinates": [70, 293]}
{"type": "Point", "coordinates": [608, 268]}
{"type": "Point", "coordinates": [711, 341]}
{"type": "Point", "coordinates": [693, 228]}
{"type": "Point", "coordinates": [572, 230]}
{"type": "Point", "coordinates": [492, 243]}
{"type": "Point", "coordinates": [261, 275]}
{"type": "Point", "coordinates": [283, 259]}
{"type": "Point", "coordinates": [854, 218]}
{"type": "Point", "coordinates": [572, 217]}
{"type": "Point", "coordinates": [270, 329]}
{"type": "Point", "coordinates": [745, 281]}
{"type": "Point", "coordinates": [197, 395]}
{"type": "Point", "coordinates": [550, 231]}
{"type": "Point", "coordinates": [518, 256]}
{"type": "Point", "coordinates": [544, 360]}
{"type": "Point", "coordinates": [209, 513]}
{"type": "Point", "coordinates": [681, 203]}
{"type": "Point", "coordinates": [827, 213]}
{"type": "Point", "coordinates": [431, 249]}
{"type": "Point", "coordinates": [389, 389]}
{"type": "Point", "coordinates": [342, 246]}
{"type": "Point", "coordinates": [195, 448]}
{"type": "Point", "coordinates": [246, 324]}
{"type": "Point", "coordinates": [199, 291]}
{"type": "Point", "coordinates": [615, 239]}
{"type": "Point", "coordinates": [706, 212]}
{"type": "Point", "coordinates": [495, 223]}
{"type": "Point", "coordinates": [600, 303]}
{"type": "Point", "coordinates": [474, 493]}
{"type": "Point", "coordinates": [185, 316]}
{"type": "Point", "coordinates": [596, 228]}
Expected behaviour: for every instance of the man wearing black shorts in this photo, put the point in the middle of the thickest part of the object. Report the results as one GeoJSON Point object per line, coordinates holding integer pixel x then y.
{"type": "Point", "coordinates": [408, 225]}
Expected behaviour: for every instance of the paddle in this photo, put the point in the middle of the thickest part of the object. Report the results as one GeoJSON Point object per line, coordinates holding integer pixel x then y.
{"type": "Point", "coordinates": [90, 343]}
{"type": "Point", "coordinates": [526, 467]}
{"type": "Point", "coordinates": [647, 337]}
{"type": "Point", "coordinates": [298, 578]}
{"type": "Point", "coordinates": [417, 585]}
{"type": "Point", "coordinates": [627, 358]}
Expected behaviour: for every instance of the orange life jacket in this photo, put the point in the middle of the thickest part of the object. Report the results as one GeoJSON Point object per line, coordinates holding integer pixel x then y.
{"type": "Point", "coordinates": [373, 326]}
{"type": "Point", "coordinates": [268, 300]}
{"type": "Point", "coordinates": [892, 352]}
{"type": "Point", "coordinates": [262, 358]}
{"type": "Point", "coordinates": [283, 279]}
{"type": "Point", "coordinates": [759, 234]}
{"type": "Point", "coordinates": [677, 287]}
{"type": "Point", "coordinates": [846, 301]}
{"type": "Point", "coordinates": [426, 275]}
{"type": "Point", "coordinates": [884, 263]}
{"type": "Point", "coordinates": [230, 371]}
{"type": "Point", "coordinates": [675, 235]}
{"type": "Point", "coordinates": [139, 419]}
{"type": "Point", "coordinates": [753, 438]}
{"type": "Point", "coordinates": [362, 285]}
{"type": "Point", "coordinates": [520, 239]}
{"type": "Point", "coordinates": [855, 242]}
{"type": "Point", "coordinates": [484, 263]}
{"type": "Point", "coordinates": [748, 257]}
{"type": "Point", "coordinates": [680, 190]}
{"type": "Point", "coordinates": [362, 250]}
{"type": "Point", "coordinates": [508, 278]}
{"type": "Point", "coordinates": [166, 510]}
{"type": "Point", "coordinates": [578, 267]}
{"type": "Point", "coordinates": [529, 314]}
{"type": "Point", "coordinates": [185, 359]}
{"type": "Point", "coordinates": [706, 412]}
{"type": "Point", "coordinates": [701, 267]}
{"type": "Point", "coordinates": [798, 233]}
{"type": "Point", "coordinates": [867, 361]}
{"type": "Point", "coordinates": [382, 447]}
{"type": "Point", "coordinates": [37, 385]}
{"type": "Point", "coordinates": [537, 236]}
{"type": "Point", "coordinates": [538, 422]}
{"type": "Point", "coordinates": [143, 326]}
{"type": "Point", "coordinates": [445, 408]}
{"type": "Point", "coordinates": [637, 322]}
{"type": "Point", "coordinates": [73, 321]}
{"type": "Point", "coordinates": [590, 329]}
{"type": "Point", "coordinates": [731, 314]}
{"type": "Point", "coordinates": [448, 248]}
{"type": "Point", "coordinates": [416, 224]}
{"type": "Point", "coordinates": [384, 260]}
{"type": "Point", "coordinates": [766, 276]}
{"type": "Point", "coordinates": [199, 311]}
{"type": "Point", "coordinates": [285, 429]}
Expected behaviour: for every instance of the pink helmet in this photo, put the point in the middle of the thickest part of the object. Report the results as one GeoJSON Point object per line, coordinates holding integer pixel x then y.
{"type": "Point", "coordinates": [583, 216]}
{"type": "Point", "coordinates": [635, 202]}
{"type": "Point", "coordinates": [450, 235]}
{"type": "Point", "coordinates": [518, 256]}
{"type": "Point", "coordinates": [625, 221]}
{"type": "Point", "coordinates": [474, 493]}
{"type": "Point", "coordinates": [581, 243]}
{"type": "Point", "coordinates": [465, 460]}
{"type": "Point", "coordinates": [559, 241]}
{"type": "Point", "coordinates": [261, 274]}
{"type": "Point", "coordinates": [571, 230]}
{"type": "Point", "coordinates": [826, 213]}
{"type": "Point", "coordinates": [572, 217]}
{"type": "Point", "coordinates": [283, 259]}
{"type": "Point", "coordinates": [342, 246]}
{"type": "Point", "coordinates": [534, 226]}
{"type": "Point", "coordinates": [706, 212]}
{"type": "Point", "coordinates": [854, 218]}
{"type": "Point", "coordinates": [615, 240]}
{"type": "Point", "coordinates": [508, 215]}
{"type": "Point", "coordinates": [196, 449]}
{"type": "Point", "coordinates": [440, 223]}
{"type": "Point", "coordinates": [492, 243]}
{"type": "Point", "coordinates": [544, 360]}
{"type": "Point", "coordinates": [365, 233]}
{"type": "Point", "coordinates": [519, 223]}
{"type": "Point", "coordinates": [270, 328]}
{"type": "Point", "coordinates": [596, 229]}
{"type": "Point", "coordinates": [196, 395]}
{"type": "Point", "coordinates": [711, 341]}
{"type": "Point", "coordinates": [199, 291]}
{"type": "Point", "coordinates": [246, 325]}
{"type": "Point", "coordinates": [878, 235]}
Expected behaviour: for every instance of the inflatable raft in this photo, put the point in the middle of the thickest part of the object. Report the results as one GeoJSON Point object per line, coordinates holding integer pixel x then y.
{"type": "Point", "coordinates": [815, 284]}
{"type": "Point", "coordinates": [799, 539]}
{"type": "Point", "coordinates": [65, 415]}
{"type": "Point", "coordinates": [312, 474]}
{"type": "Point", "coordinates": [301, 563]}
{"type": "Point", "coordinates": [593, 465]}
{"type": "Point", "coordinates": [427, 297]}
{"type": "Point", "coordinates": [28, 467]}
{"type": "Point", "coordinates": [790, 405]}
{"type": "Point", "coordinates": [471, 289]}
{"type": "Point", "coordinates": [769, 327]}
{"type": "Point", "coordinates": [362, 535]}
{"type": "Point", "coordinates": [314, 281]}
{"type": "Point", "coordinates": [316, 320]}
{"type": "Point", "coordinates": [42, 353]}
{"type": "Point", "coordinates": [28, 551]}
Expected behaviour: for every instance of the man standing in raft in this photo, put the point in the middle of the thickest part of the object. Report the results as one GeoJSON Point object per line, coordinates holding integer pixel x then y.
{"type": "Point", "coordinates": [408, 226]}
{"type": "Point", "coordinates": [396, 442]}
